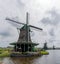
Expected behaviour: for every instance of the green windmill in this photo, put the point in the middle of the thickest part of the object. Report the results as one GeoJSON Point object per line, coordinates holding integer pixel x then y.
{"type": "Point", "coordinates": [24, 42]}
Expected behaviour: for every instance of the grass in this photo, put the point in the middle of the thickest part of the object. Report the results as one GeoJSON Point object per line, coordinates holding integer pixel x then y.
{"type": "Point", "coordinates": [44, 52]}
{"type": "Point", "coordinates": [4, 52]}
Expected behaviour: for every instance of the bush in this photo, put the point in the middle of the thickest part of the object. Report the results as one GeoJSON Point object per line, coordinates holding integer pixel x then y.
{"type": "Point", "coordinates": [4, 54]}
{"type": "Point", "coordinates": [44, 53]}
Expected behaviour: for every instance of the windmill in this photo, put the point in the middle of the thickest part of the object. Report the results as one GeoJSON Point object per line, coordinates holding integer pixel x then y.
{"type": "Point", "coordinates": [24, 42]}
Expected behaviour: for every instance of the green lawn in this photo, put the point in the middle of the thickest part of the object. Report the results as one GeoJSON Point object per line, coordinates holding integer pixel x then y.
{"type": "Point", "coordinates": [4, 52]}
{"type": "Point", "coordinates": [44, 52]}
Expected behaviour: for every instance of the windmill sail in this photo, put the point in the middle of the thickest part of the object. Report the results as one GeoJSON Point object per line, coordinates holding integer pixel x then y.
{"type": "Point", "coordinates": [14, 21]}
{"type": "Point", "coordinates": [24, 24]}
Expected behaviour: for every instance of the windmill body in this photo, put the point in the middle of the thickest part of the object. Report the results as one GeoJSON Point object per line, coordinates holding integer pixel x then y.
{"type": "Point", "coordinates": [22, 45]}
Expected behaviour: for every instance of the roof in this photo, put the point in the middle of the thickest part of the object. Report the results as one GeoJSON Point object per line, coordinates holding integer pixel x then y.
{"type": "Point", "coordinates": [25, 43]}
{"type": "Point", "coordinates": [24, 27]}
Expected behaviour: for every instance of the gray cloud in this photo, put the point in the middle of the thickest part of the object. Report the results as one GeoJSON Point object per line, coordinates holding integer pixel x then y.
{"type": "Point", "coordinates": [52, 32]}
{"type": "Point", "coordinates": [37, 9]}
{"type": "Point", "coordinates": [52, 19]}
{"type": "Point", "coordinates": [5, 34]}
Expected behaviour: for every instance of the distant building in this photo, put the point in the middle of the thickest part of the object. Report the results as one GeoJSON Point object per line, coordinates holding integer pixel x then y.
{"type": "Point", "coordinates": [45, 46]}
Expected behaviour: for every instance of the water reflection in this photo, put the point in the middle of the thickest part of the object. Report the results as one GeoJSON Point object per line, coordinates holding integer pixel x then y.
{"type": "Point", "coordinates": [23, 60]}
{"type": "Point", "coordinates": [52, 58]}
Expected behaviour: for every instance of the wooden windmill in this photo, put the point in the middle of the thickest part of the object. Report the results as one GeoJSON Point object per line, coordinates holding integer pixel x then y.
{"type": "Point", "coordinates": [24, 42]}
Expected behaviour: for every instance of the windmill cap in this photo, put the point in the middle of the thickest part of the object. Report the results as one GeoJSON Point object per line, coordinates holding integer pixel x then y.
{"type": "Point", "coordinates": [24, 27]}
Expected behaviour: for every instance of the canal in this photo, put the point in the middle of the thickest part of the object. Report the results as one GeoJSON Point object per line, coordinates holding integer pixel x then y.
{"type": "Point", "coordinates": [52, 58]}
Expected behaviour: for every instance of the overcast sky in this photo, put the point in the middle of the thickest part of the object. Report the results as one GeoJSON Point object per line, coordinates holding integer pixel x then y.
{"type": "Point", "coordinates": [44, 14]}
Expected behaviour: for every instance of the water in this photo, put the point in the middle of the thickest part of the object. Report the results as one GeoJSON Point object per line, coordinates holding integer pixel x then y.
{"type": "Point", "coordinates": [52, 58]}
